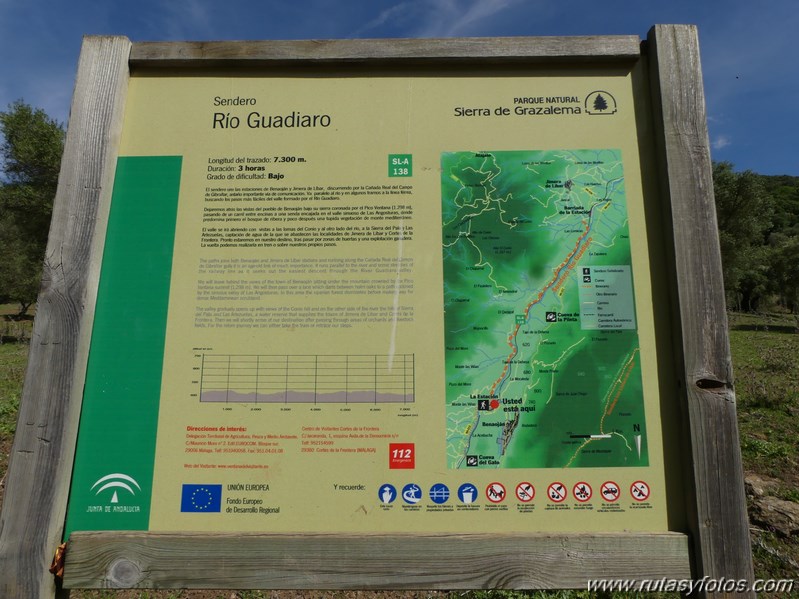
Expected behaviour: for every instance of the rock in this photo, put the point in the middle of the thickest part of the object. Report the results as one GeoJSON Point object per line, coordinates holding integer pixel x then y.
{"type": "Point", "coordinates": [776, 514]}
{"type": "Point", "coordinates": [759, 486]}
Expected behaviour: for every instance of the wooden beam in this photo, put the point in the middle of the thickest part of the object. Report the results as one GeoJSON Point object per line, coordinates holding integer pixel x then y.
{"type": "Point", "coordinates": [34, 507]}
{"type": "Point", "coordinates": [717, 506]}
{"type": "Point", "coordinates": [469, 51]}
{"type": "Point", "coordinates": [369, 561]}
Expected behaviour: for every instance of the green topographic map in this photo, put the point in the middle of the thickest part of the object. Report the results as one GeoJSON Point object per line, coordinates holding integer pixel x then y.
{"type": "Point", "coordinates": [542, 355]}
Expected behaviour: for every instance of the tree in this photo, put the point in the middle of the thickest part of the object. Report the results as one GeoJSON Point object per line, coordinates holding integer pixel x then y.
{"type": "Point", "coordinates": [19, 279]}
{"type": "Point", "coordinates": [600, 103]}
{"type": "Point", "coordinates": [744, 212]}
{"type": "Point", "coordinates": [784, 273]}
{"type": "Point", "coordinates": [30, 158]}
{"type": "Point", "coordinates": [785, 191]}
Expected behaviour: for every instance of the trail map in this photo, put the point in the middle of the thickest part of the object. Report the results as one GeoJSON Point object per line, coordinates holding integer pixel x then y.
{"type": "Point", "coordinates": [542, 354]}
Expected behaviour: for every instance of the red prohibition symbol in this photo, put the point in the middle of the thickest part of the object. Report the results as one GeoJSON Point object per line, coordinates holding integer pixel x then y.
{"type": "Point", "coordinates": [525, 492]}
{"type": "Point", "coordinates": [495, 492]}
{"type": "Point", "coordinates": [557, 492]}
{"type": "Point", "coordinates": [582, 492]}
{"type": "Point", "coordinates": [639, 490]}
{"type": "Point", "coordinates": [610, 491]}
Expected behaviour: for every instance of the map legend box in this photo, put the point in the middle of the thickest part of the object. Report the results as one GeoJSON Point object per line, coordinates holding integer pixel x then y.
{"type": "Point", "coordinates": [606, 298]}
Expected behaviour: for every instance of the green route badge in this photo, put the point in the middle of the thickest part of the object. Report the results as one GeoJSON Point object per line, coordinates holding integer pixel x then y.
{"type": "Point", "coordinates": [400, 165]}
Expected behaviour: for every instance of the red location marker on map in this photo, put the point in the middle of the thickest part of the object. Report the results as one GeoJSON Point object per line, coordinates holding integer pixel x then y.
{"type": "Point", "coordinates": [494, 404]}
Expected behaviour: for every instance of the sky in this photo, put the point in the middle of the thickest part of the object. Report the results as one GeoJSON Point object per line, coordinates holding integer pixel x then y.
{"type": "Point", "coordinates": [749, 56]}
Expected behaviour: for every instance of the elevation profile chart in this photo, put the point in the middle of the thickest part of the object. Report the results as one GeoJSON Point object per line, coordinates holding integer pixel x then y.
{"type": "Point", "coordinates": [307, 379]}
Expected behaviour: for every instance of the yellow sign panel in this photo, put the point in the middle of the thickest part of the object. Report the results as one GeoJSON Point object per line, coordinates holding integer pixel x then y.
{"type": "Point", "coordinates": [404, 303]}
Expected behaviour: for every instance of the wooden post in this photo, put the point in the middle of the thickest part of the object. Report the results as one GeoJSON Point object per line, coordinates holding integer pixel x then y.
{"type": "Point", "coordinates": [717, 505]}
{"type": "Point", "coordinates": [34, 507]}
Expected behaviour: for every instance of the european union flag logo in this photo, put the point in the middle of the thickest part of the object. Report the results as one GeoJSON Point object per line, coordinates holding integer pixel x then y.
{"type": "Point", "coordinates": [201, 498]}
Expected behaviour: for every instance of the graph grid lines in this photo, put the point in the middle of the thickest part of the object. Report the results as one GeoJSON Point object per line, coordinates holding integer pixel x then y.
{"type": "Point", "coordinates": [307, 379]}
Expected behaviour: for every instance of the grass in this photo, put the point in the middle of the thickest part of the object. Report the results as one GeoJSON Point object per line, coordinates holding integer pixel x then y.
{"type": "Point", "coordinates": [13, 358]}
{"type": "Point", "coordinates": [765, 351]}
{"type": "Point", "coordinates": [766, 365]}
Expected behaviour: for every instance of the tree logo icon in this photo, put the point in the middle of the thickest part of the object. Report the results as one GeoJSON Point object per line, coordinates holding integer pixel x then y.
{"type": "Point", "coordinates": [600, 102]}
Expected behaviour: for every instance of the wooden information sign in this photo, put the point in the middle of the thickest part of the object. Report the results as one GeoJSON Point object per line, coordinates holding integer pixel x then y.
{"type": "Point", "coordinates": [380, 314]}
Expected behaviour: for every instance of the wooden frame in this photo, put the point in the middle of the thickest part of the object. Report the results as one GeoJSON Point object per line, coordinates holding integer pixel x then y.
{"type": "Point", "coordinates": [717, 543]}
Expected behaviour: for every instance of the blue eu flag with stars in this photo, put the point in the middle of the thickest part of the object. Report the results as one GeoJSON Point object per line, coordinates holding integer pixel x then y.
{"type": "Point", "coordinates": [201, 498]}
